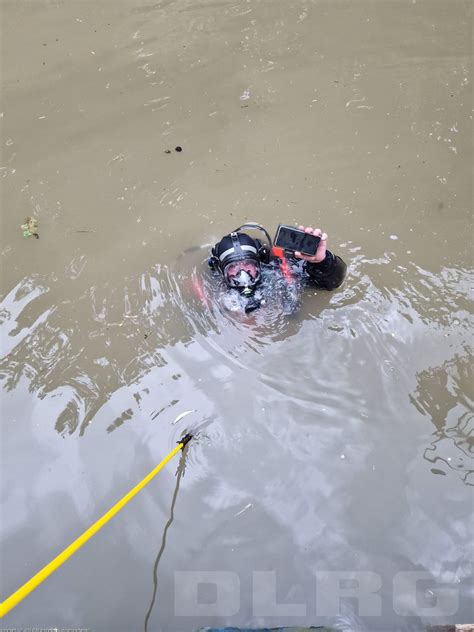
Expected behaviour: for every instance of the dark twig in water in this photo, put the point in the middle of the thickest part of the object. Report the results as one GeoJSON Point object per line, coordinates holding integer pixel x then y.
{"type": "Point", "coordinates": [180, 472]}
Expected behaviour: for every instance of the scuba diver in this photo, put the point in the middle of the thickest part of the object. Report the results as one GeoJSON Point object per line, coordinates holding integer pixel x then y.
{"type": "Point", "coordinates": [255, 272]}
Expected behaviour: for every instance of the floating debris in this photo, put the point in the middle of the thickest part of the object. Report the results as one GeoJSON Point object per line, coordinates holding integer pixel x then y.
{"type": "Point", "coordinates": [179, 417]}
{"type": "Point", "coordinates": [30, 228]}
{"type": "Point", "coordinates": [239, 513]}
{"type": "Point", "coordinates": [167, 151]}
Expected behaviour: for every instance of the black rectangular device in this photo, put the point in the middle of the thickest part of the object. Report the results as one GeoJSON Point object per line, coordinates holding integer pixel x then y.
{"type": "Point", "coordinates": [293, 239]}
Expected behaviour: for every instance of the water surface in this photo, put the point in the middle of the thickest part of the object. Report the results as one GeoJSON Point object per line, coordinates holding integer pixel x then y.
{"type": "Point", "coordinates": [339, 439]}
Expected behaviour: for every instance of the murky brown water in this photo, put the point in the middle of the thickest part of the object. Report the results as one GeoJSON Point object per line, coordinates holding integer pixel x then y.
{"type": "Point", "coordinates": [337, 440]}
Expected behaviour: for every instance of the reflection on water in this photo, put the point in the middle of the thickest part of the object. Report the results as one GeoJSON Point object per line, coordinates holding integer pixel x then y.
{"type": "Point", "coordinates": [445, 394]}
{"type": "Point", "coordinates": [66, 350]}
{"type": "Point", "coordinates": [131, 330]}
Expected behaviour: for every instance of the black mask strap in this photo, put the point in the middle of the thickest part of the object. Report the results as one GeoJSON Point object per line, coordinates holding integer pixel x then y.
{"type": "Point", "coordinates": [256, 226]}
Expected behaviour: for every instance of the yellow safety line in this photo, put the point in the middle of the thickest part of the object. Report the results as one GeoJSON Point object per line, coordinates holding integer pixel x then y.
{"type": "Point", "coordinates": [45, 572]}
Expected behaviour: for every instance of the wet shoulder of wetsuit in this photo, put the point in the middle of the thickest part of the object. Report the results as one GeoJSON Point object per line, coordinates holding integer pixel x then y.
{"type": "Point", "coordinates": [329, 273]}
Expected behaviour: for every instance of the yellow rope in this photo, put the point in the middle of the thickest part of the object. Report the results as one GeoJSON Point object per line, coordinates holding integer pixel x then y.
{"type": "Point", "coordinates": [45, 572]}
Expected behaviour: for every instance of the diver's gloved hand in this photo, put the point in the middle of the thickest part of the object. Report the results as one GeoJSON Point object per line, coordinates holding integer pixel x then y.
{"type": "Point", "coordinates": [321, 251]}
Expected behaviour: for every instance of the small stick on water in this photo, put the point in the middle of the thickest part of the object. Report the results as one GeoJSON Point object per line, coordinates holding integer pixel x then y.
{"type": "Point", "coordinates": [179, 417]}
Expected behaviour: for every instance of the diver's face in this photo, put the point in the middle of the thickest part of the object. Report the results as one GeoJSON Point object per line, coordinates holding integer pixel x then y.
{"type": "Point", "coordinates": [234, 269]}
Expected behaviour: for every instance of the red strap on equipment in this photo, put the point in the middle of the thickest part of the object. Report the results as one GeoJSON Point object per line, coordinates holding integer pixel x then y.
{"type": "Point", "coordinates": [285, 268]}
{"type": "Point", "coordinates": [198, 289]}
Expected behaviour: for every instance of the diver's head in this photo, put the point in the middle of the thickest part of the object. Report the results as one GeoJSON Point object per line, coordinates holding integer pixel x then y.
{"type": "Point", "coordinates": [238, 260]}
